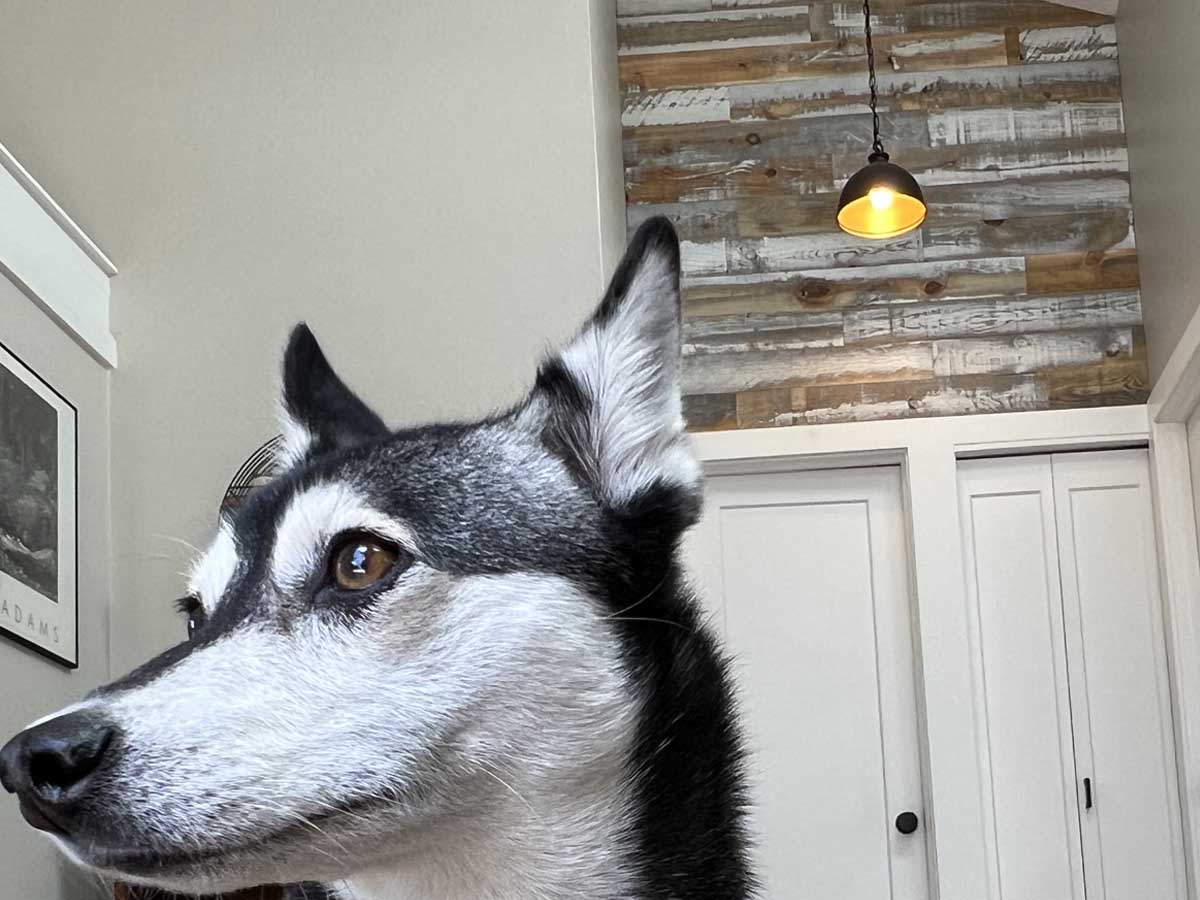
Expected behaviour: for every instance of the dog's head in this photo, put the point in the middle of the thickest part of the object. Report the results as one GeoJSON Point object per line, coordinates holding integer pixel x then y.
{"type": "Point", "coordinates": [403, 630]}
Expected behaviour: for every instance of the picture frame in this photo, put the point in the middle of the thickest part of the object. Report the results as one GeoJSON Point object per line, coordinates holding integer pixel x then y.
{"type": "Point", "coordinates": [39, 513]}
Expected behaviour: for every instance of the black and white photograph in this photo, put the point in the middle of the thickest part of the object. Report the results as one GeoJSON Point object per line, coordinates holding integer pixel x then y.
{"type": "Point", "coordinates": [28, 486]}
{"type": "Point", "coordinates": [37, 511]}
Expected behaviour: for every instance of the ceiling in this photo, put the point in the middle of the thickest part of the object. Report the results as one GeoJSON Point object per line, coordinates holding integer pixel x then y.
{"type": "Point", "coordinates": [1107, 7]}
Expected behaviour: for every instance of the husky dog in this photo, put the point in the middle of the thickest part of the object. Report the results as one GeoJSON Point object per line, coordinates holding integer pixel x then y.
{"type": "Point", "coordinates": [447, 663]}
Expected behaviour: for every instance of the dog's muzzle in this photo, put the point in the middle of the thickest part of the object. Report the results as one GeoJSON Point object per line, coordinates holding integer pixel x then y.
{"type": "Point", "coordinates": [51, 767]}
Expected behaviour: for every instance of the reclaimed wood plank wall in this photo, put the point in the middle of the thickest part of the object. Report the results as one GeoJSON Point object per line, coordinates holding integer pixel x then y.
{"type": "Point", "coordinates": [743, 119]}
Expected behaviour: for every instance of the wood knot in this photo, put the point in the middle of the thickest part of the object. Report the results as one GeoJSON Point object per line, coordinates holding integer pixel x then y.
{"type": "Point", "coordinates": [934, 287]}
{"type": "Point", "coordinates": [770, 172]}
{"type": "Point", "coordinates": [812, 291]}
{"type": "Point", "coordinates": [913, 403]}
{"type": "Point", "coordinates": [753, 139]}
{"type": "Point", "coordinates": [994, 223]}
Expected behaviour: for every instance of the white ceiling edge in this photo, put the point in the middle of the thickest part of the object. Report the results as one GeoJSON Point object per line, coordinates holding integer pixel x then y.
{"type": "Point", "coordinates": [1104, 7]}
{"type": "Point", "coordinates": [56, 212]}
{"type": "Point", "coordinates": [53, 262]}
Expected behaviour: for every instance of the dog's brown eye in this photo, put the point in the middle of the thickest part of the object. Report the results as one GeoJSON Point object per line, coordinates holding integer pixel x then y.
{"type": "Point", "coordinates": [363, 561]}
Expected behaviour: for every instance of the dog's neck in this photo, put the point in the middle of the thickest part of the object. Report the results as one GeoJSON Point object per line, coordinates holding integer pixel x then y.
{"type": "Point", "coordinates": [531, 844]}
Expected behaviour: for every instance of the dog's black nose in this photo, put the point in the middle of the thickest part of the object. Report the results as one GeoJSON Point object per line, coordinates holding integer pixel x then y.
{"type": "Point", "coordinates": [50, 766]}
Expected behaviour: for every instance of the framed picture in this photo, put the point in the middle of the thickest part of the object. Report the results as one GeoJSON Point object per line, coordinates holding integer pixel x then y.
{"type": "Point", "coordinates": [38, 538]}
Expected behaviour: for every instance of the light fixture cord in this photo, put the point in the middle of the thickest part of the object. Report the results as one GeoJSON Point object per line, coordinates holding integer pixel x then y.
{"type": "Point", "coordinates": [877, 143]}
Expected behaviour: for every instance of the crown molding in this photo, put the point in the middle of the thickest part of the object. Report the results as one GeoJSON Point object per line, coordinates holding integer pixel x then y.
{"type": "Point", "coordinates": [54, 263]}
{"type": "Point", "coordinates": [1104, 7]}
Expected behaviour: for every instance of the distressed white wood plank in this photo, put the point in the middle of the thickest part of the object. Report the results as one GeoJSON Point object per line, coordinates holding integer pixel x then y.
{"type": "Point", "coordinates": [726, 142]}
{"type": "Point", "coordinates": [871, 324]}
{"type": "Point", "coordinates": [1041, 45]}
{"type": "Point", "coordinates": [902, 50]}
{"type": "Point", "coordinates": [947, 15]}
{"type": "Point", "coordinates": [627, 8]}
{"type": "Point", "coordinates": [630, 8]}
{"type": "Point", "coordinates": [1028, 353]}
{"type": "Point", "coordinates": [847, 18]}
{"type": "Point", "coordinates": [1104, 230]}
{"type": "Point", "coordinates": [776, 254]}
{"type": "Point", "coordinates": [1000, 168]}
{"type": "Point", "coordinates": [794, 37]}
{"type": "Point", "coordinates": [1022, 194]}
{"type": "Point", "coordinates": [846, 94]}
{"type": "Point", "coordinates": [748, 4]}
{"type": "Point", "coordinates": [677, 107]}
{"type": "Point", "coordinates": [731, 373]}
{"type": "Point", "coordinates": [1052, 121]}
{"type": "Point", "coordinates": [755, 331]}
{"type": "Point", "coordinates": [628, 28]}
{"type": "Point", "coordinates": [1018, 315]}
{"type": "Point", "coordinates": [747, 13]}
{"type": "Point", "coordinates": [717, 326]}
{"type": "Point", "coordinates": [942, 400]}
{"type": "Point", "coordinates": [703, 258]}
{"type": "Point", "coordinates": [797, 340]}
{"type": "Point", "coordinates": [1005, 164]}
{"type": "Point", "coordinates": [939, 270]}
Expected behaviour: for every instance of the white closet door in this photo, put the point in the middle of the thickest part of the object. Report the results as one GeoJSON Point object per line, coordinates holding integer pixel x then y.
{"type": "Point", "coordinates": [1021, 691]}
{"type": "Point", "coordinates": [806, 573]}
{"type": "Point", "coordinates": [1123, 727]}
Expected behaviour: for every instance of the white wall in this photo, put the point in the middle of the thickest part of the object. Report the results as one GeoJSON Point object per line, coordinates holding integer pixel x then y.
{"type": "Point", "coordinates": [31, 685]}
{"type": "Point", "coordinates": [431, 185]}
{"type": "Point", "coordinates": [1160, 53]}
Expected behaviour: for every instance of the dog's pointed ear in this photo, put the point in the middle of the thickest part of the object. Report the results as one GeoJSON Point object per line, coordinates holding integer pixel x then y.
{"type": "Point", "coordinates": [615, 412]}
{"type": "Point", "coordinates": [318, 413]}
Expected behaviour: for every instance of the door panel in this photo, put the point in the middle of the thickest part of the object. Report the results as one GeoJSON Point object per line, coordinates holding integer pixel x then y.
{"type": "Point", "coordinates": [806, 573]}
{"type": "Point", "coordinates": [1123, 728]}
{"type": "Point", "coordinates": [1021, 688]}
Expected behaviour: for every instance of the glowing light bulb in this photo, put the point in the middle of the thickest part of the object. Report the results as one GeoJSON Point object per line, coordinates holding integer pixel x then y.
{"type": "Point", "coordinates": [881, 197]}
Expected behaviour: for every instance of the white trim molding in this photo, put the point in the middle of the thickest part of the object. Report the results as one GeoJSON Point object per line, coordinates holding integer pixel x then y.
{"type": "Point", "coordinates": [1176, 394]}
{"type": "Point", "coordinates": [927, 451]}
{"type": "Point", "coordinates": [1174, 409]}
{"type": "Point", "coordinates": [48, 256]}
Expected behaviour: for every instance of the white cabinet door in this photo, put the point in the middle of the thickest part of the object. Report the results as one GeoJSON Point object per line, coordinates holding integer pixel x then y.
{"type": "Point", "coordinates": [1071, 682]}
{"type": "Point", "coordinates": [1122, 720]}
{"type": "Point", "coordinates": [806, 574]}
{"type": "Point", "coordinates": [1021, 690]}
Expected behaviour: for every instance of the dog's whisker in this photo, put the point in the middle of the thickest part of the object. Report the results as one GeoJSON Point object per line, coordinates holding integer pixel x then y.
{"type": "Point", "coordinates": [187, 545]}
{"type": "Point", "coordinates": [487, 771]}
{"type": "Point", "coordinates": [650, 593]}
{"type": "Point", "coordinates": [678, 625]}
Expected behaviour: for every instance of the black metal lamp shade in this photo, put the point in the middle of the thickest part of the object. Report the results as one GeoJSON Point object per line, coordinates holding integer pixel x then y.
{"type": "Point", "coordinates": [881, 200]}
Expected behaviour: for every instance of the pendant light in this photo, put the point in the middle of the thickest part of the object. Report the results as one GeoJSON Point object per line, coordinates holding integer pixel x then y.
{"type": "Point", "coordinates": [881, 200]}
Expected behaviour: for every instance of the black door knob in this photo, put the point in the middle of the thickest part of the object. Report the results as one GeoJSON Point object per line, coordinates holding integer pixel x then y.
{"type": "Point", "coordinates": [907, 822]}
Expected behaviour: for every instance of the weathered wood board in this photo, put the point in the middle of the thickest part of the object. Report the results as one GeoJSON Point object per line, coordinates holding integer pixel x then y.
{"type": "Point", "coordinates": [744, 118]}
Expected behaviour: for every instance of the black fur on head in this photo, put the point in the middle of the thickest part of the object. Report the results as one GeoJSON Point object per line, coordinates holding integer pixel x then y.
{"type": "Point", "coordinates": [327, 415]}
